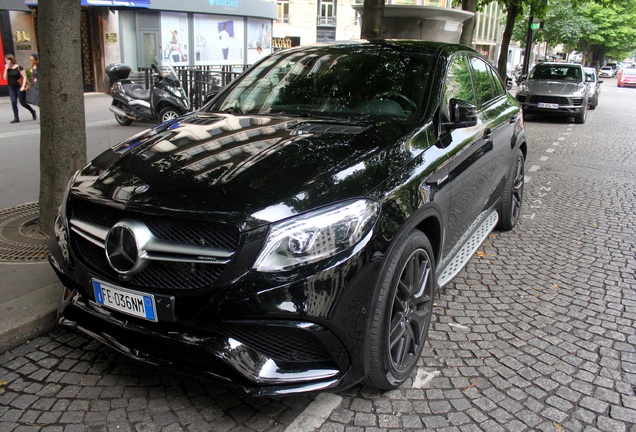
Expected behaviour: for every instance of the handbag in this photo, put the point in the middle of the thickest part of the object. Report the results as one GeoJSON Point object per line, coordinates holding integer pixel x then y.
{"type": "Point", "coordinates": [21, 81]}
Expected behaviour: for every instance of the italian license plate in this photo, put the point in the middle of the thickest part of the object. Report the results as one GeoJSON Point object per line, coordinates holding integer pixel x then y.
{"type": "Point", "coordinates": [126, 301]}
{"type": "Point", "coordinates": [548, 105]}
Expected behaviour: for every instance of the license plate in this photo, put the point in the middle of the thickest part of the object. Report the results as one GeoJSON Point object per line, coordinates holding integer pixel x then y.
{"type": "Point", "coordinates": [126, 301]}
{"type": "Point", "coordinates": [548, 105]}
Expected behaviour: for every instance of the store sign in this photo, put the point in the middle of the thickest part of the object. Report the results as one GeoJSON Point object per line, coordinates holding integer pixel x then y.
{"type": "Point", "coordinates": [225, 3]}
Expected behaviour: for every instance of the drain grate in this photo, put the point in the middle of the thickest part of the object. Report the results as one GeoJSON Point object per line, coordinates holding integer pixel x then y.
{"type": "Point", "coordinates": [16, 244]}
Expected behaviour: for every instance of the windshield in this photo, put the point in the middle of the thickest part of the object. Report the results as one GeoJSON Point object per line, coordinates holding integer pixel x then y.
{"type": "Point", "coordinates": [629, 71]}
{"type": "Point", "coordinates": [557, 73]}
{"type": "Point", "coordinates": [355, 82]}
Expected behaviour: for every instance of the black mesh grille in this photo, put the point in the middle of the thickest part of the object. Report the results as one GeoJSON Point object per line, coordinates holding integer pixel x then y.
{"type": "Point", "coordinates": [280, 343]}
{"type": "Point", "coordinates": [550, 99]}
{"type": "Point", "coordinates": [159, 274]}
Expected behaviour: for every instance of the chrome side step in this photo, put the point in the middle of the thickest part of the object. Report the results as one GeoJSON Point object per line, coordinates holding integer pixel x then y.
{"type": "Point", "coordinates": [467, 248]}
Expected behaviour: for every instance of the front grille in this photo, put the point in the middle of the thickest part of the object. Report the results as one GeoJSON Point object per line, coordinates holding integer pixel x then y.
{"type": "Point", "coordinates": [549, 99]}
{"type": "Point", "coordinates": [171, 229]}
{"type": "Point", "coordinates": [158, 274]}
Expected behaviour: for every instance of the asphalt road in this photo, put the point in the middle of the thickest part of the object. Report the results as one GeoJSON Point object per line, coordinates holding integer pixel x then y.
{"type": "Point", "coordinates": [537, 333]}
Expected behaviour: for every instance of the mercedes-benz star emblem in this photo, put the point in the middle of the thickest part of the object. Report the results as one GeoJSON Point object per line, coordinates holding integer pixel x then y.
{"type": "Point", "coordinates": [141, 189]}
{"type": "Point", "coordinates": [122, 250]}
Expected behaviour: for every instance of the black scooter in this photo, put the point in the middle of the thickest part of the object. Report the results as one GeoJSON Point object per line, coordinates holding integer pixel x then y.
{"type": "Point", "coordinates": [164, 101]}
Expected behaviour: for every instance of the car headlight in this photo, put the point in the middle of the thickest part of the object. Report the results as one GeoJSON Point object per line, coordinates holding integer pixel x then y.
{"type": "Point", "coordinates": [316, 235]}
{"type": "Point", "coordinates": [523, 87]}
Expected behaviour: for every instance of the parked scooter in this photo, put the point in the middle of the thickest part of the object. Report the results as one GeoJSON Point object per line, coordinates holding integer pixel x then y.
{"type": "Point", "coordinates": [164, 101]}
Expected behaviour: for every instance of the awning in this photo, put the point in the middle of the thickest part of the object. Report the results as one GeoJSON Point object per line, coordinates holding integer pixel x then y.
{"type": "Point", "coordinates": [15, 5]}
{"type": "Point", "coordinates": [104, 3]}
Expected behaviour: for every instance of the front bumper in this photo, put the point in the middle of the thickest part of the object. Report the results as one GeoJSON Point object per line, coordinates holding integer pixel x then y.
{"type": "Point", "coordinates": [261, 335]}
{"type": "Point", "coordinates": [558, 105]}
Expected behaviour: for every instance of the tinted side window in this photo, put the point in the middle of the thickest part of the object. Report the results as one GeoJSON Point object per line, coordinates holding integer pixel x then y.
{"type": "Point", "coordinates": [457, 84]}
{"type": "Point", "coordinates": [481, 80]}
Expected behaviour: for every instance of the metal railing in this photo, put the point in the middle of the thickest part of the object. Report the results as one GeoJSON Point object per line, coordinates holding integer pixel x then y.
{"type": "Point", "coordinates": [199, 81]}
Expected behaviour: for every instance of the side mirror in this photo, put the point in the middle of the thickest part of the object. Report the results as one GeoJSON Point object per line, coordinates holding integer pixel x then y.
{"type": "Point", "coordinates": [462, 113]}
{"type": "Point", "coordinates": [599, 82]}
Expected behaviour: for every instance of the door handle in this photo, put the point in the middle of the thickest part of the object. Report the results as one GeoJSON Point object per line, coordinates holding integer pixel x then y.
{"type": "Point", "coordinates": [488, 133]}
{"type": "Point", "coordinates": [513, 119]}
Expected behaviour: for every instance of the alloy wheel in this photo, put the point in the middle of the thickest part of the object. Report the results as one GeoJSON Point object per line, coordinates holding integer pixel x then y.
{"type": "Point", "coordinates": [411, 311]}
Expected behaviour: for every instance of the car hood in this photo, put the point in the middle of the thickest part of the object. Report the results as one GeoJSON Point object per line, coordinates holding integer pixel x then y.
{"type": "Point", "coordinates": [553, 87]}
{"type": "Point", "coordinates": [245, 170]}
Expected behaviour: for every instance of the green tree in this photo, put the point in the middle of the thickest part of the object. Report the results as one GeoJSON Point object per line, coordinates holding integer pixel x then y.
{"type": "Point", "coordinates": [611, 31]}
{"type": "Point", "coordinates": [63, 133]}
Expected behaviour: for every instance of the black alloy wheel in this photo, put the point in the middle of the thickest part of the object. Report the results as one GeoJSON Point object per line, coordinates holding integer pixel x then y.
{"type": "Point", "coordinates": [512, 198]}
{"type": "Point", "coordinates": [403, 313]}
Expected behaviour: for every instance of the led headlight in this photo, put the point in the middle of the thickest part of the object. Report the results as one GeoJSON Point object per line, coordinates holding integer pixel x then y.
{"type": "Point", "coordinates": [316, 235]}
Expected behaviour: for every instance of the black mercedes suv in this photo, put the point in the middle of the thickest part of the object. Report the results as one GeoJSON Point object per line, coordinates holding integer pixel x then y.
{"type": "Point", "coordinates": [291, 236]}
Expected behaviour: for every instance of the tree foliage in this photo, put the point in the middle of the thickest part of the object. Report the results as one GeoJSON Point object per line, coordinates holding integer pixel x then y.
{"type": "Point", "coordinates": [600, 28]}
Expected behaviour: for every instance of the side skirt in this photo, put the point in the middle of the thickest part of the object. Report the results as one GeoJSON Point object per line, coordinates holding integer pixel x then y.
{"type": "Point", "coordinates": [461, 254]}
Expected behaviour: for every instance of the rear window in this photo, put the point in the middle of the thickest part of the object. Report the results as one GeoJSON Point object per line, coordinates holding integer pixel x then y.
{"type": "Point", "coordinates": [629, 71]}
{"type": "Point", "coordinates": [557, 72]}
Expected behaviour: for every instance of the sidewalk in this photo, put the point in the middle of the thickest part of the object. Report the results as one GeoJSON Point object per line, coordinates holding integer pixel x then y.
{"type": "Point", "coordinates": [30, 291]}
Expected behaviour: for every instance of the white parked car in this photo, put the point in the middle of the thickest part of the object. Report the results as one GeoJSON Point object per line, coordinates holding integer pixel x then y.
{"type": "Point", "coordinates": [607, 71]}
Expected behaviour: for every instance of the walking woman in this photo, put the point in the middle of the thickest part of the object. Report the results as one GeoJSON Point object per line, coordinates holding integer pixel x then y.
{"type": "Point", "coordinates": [13, 72]}
{"type": "Point", "coordinates": [33, 94]}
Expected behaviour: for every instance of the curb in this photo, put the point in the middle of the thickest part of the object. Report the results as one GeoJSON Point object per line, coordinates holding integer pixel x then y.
{"type": "Point", "coordinates": [28, 316]}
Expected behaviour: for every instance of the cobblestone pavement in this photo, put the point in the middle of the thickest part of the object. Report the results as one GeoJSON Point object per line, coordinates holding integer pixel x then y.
{"type": "Point", "coordinates": [537, 333]}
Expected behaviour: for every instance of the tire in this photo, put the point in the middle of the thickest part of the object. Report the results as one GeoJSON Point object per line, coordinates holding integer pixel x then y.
{"type": "Point", "coordinates": [580, 118]}
{"type": "Point", "coordinates": [512, 197]}
{"type": "Point", "coordinates": [402, 316]}
{"type": "Point", "coordinates": [169, 113]}
{"type": "Point", "coordinates": [124, 121]}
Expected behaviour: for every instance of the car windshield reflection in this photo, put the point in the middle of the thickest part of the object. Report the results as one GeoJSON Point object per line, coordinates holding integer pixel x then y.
{"type": "Point", "coordinates": [320, 83]}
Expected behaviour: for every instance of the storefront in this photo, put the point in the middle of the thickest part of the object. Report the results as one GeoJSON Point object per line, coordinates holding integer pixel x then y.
{"type": "Point", "coordinates": [142, 32]}
{"type": "Point", "coordinates": [17, 35]}
{"type": "Point", "coordinates": [196, 32]}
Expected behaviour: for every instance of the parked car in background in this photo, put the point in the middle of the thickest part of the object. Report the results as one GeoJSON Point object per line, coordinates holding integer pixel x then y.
{"type": "Point", "coordinates": [292, 236]}
{"type": "Point", "coordinates": [627, 78]}
{"type": "Point", "coordinates": [555, 89]}
{"type": "Point", "coordinates": [593, 86]}
{"type": "Point", "coordinates": [607, 71]}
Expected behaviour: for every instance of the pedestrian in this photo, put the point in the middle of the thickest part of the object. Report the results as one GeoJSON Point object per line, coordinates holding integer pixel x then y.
{"type": "Point", "coordinates": [33, 94]}
{"type": "Point", "coordinates": [224, 36]}
{"type": "Point", "coordinates": [15, 75]}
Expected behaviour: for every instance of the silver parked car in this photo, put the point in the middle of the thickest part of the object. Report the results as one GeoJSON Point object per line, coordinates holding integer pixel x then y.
{"type": "Point", "coordinates": [593, 86]}
{"type": "Point", "coordinates": [555, 89]}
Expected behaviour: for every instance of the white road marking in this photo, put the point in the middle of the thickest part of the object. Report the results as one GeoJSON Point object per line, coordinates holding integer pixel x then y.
{"type": "Point", "coordinates": [534, 168]}
{"type": "Point", "coordinates": [556, 143]}
{"type": "Point", "coordinates": [544, 158]}
{"type": "Point", "coordinates": [459, 326]}
{"type": "Point", "coordinates": [550, 150]}
{"type": "Point", "coordinates": [526, 179]}
{"type": "Point", "coordinates": [315, 414]}
{"type": "Point", "coordinates": [561, 138]}
{"type": "Point", "coordinates": [423, 377]}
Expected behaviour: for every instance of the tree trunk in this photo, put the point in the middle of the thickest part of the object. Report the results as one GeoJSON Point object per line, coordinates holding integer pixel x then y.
{"type": "Point", "coordinates": [63, 130]}
{"type": "Point", "coordinates": [468, 28]}
{"type": "Point", "coordinates": [513, 11]}
{"type": "Point", "coordinates": [372, 19]}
